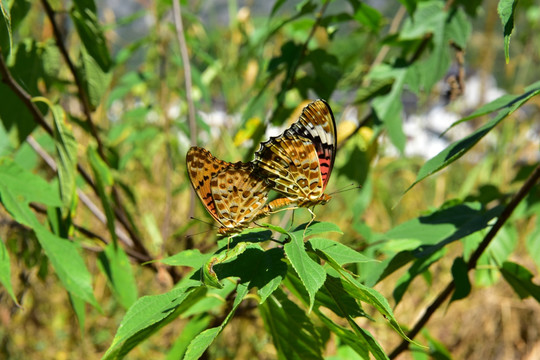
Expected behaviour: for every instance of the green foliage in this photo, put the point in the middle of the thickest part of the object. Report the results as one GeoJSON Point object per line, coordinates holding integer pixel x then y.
{"type": "Point", "coordinates": [96, 203]}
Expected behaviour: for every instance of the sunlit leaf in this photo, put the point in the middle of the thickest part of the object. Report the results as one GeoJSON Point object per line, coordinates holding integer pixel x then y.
{"type": "Point", "coordinates": [68, 264]}
{"type": "Point", "coordinates": [457, 149]}
{"type": "Point", "coordinates": [5, 271]}
{"type": "Point", "coordinates": [195, 326]}
{"type": "Point", "coordinates": [148, 315]}
{"type": "Point", "coordinates": [340, 253]}
{"type": "Point", "coordinates": [114, 263]}
{"type": "Point", "coordinates": [200, 343]}
{"type": "Point", "coordinates": [506, 10]}
{"type": "Point", "coordinates": [388, 107]}
{"type": "Point", "coordinates": [192, 258]}
{"type": "Point", "coordinates": [311, 273]}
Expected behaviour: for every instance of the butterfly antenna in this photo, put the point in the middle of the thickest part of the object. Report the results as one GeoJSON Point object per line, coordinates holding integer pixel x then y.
{"type": "Point", "coordinates": [205, 222]}
{"type": "Point", "coordinates": [349, 187]}
{"type": "Point", "coordinates": [199, 233]}
{"type": "Point", "coordinates": [202, 232]}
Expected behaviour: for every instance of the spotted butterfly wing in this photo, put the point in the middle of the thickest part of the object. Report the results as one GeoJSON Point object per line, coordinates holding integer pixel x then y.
{"type": "Point", "coordinates": [298, 163]}
{"type": "Point", "coordinates": [230, 192]}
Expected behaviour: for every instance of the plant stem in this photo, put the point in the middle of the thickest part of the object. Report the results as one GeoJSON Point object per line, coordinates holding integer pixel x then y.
{"type": "Point", "coordinates": [180, 35]}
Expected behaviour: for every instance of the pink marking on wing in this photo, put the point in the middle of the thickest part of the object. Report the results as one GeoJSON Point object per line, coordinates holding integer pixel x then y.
{"type": "Point", "coordinates": [325, 167]}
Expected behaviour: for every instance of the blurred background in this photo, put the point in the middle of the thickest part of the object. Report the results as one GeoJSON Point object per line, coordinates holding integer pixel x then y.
{"type": "Point", "coordinates": [254, 66]}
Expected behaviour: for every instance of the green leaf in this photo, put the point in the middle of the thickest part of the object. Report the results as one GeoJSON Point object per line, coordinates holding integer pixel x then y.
{"type": "Point", "coordinates": [86, 22]}
{"type": "Point", "coordinates": [324, 76]}
{"type": "Point", "coordinates": [103, 178]}
{"type": "Point", "coordinates": [388, 107]}
{"type": "Point", "coordinates": [533, 243]}
{"type": "Point", "coordinates": [25, 186]}
{"type": "Point", "coordinates": [442, 227]}
{"type": "Point", "coordinates": [293, 334]}
{"type": "Point", "coordinates": [470, 6]}
{"type": "Point", "coordinates": [358, 344]}
{"type": "Point", "coordinates": [497, 252]}
{"type": "Point", "coordinates": [214, 299]}
{"type": "Point", "coordinates": [461, 279]}
{"type": "Point", "coordinates": [275, 8]}
{"type": "Point", "coordinates": [62, 253]}
{"type": "Point", "coordinates": [149, 314]}
{"type": "Point", "coordinates": [15, 116]}
{"type": "Point", "coordinates": [256, 268]}
{"type": "Point", "coordinates": [437, 350]}
{"type": "Point", "coordinates": [28, 69]}
{"type": "Point", "coordinates": [5, 271]}
{"type": "Point", "coordinates": [316, 228]}
{"type": "Point", "coordinates": [454, 28]}
{"type": "Point", "coordinates": [66, 158]}
{"type": "Point", "coordinates": [311, 273]}
{"type": "Point", "coordinates": [193, 327]}
{"type": "Point", "coordinates": [505, 101]}
{"type": "Point", "coordinates": [6, 38]}
{"type": "Point", "coordinates": [410, 5]}
{"type": "Point", "coordinates": [457, 149]}
{"type": "Point", "coordinates": [388, 266]}
{"type": "Point", "coordinates": [417, 268]}
{"type": "Point", "coordinates": [199, 344]}
{"type": "Point", "coordinates": [79, 308]}
{"type": "Point", "coordinates": [374, 347]}
{"type": "Point", "coordinates": [444, 27]}
{"type": "Point", "coordinates": [114, 263]}
{"type": "Point", "coordinates": [192, 258]}
{"type": "Point", "coordinates": [68, 264]}
{"type": "Point", "coordinates": [338, 252]}
{"type": "Point", "coordinates": [95, 80]}
{"type": "Point", "coordinates": [506, 10]}
{"type": "Point", "coordinates": [368, 16]}
{"type": "Point", "coordinates": [520, 278]}
{"type": "Point", "coordinates": [372, 297]}
{"type": "Point", "coordinates": [333, 296]}
{"type": "Point", "coordinates": [428, 19]}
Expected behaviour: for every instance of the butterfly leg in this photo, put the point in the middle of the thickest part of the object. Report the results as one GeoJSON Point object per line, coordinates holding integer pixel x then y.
{"type": "Point", "coordinates": [310, 221]}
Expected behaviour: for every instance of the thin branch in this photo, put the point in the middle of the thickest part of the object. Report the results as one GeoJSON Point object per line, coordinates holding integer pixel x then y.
{"type": "Point", "coordinates": [180, 35]}
{"type": "Point", "coordinates": [471, 264]}
{"type": "Point", "coordinates": [85, 101]}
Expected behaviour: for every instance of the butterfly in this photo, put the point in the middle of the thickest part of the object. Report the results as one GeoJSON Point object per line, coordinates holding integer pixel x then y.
{"type": "Point", "coordinates": [298, 163]}
{"type": "Point", "coordinates": [231, 192]}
